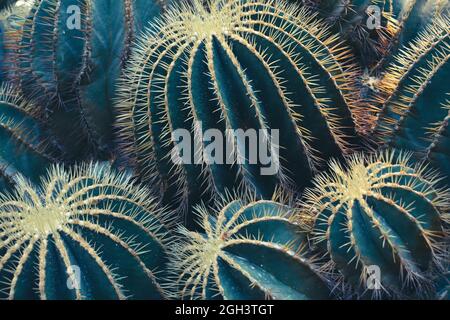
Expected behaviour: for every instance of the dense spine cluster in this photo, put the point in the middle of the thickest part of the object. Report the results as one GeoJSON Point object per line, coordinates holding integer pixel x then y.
{"type": "Point", "coordinates": [70, 55]}
{"type": "Point", "coordinates": [50, 237]}
{"type": "Point", "coordinates": [381, 211]}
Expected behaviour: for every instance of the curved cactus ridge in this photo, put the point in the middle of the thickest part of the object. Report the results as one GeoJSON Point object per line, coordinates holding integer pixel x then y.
{"type": "Point", "coordinates": [249, 250]}
{"type": "Point", "coordinates": [69, 58]}
{"type": "Point", "coordinates": [230, 66]}
{"type": "Point", "coordinates": [381, 211]}
{"type": "Point", "coordinates": [50, 237]}
{"type": "Point", "coordinates": [414, 97]}
{"type": "Point", "coordinates": [11, 19]}
{"type": "Point", "coordinates": [23, 144]}
{"type": "Point", "coordinates": [443, 286]}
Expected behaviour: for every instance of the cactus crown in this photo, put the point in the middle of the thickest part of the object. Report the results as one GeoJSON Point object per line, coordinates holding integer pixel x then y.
{"type": "Point", "coordinates": [380, 201]}
{"type": "Point", "coordinates": [77, 208]}
{"type": "Point", "coordinates": [178, 77]}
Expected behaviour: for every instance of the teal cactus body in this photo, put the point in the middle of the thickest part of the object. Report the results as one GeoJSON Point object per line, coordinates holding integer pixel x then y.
{"type": "Point", "coordinates": [236, 65]}
{"type": "Point", "coordinates": [24, 146]}
{"type": "Point", "coordinates": [50, 238]}
{"type": "Point", "coordinates": [414, 98]}
{"type": "Point", "coordinates": [6, 4]}
{"type": "Point", "coordinates": [2, 54]}
{"type": "Point", "coordinates": [410, 18]}
{"type": "Point", "coordinates": [368, 37]}
{"type": "Point", "coordinates": [443, 286]}
{"type": "Point", "coordinates": [69, 58]}
{"type": "Point", "coordinates": [382, 211]}
{"type": "Point", "coordinates": [250, 250]}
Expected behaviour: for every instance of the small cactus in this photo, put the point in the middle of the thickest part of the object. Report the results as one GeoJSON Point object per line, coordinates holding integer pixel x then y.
{"type": "Point", "coordinates": [24, 147]}
{"type": "Point", "coordinates": [50, 237]}
{"type": "Point", "coordinates": [250, 250]}
{"type": "Point", "coordinates": [234, 65]}
{"type": "Point", "coordinates": [380, 211]}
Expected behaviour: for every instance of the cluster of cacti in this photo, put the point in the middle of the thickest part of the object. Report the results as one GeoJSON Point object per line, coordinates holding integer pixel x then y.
{"type": "Point", "coordinates": [346, 105]}
{"type": "Point", "coordinates": [249, 250]}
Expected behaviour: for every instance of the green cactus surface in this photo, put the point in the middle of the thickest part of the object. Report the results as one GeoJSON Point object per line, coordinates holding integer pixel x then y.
{"type": "Point", "coordinates": [381, 211]}
{"type": "Point", "coordinates": [24, 147]}
{"type": "Point", "coordinates": [414, 98]}
{"type": "Point", "coordinates": [51, 234]}
{"type": "Point", "coordinates": [249, 250]}
{"type": "Point", "coordinates": [70, 55]}
{"type": "Point", "coordinates": [236, 65]}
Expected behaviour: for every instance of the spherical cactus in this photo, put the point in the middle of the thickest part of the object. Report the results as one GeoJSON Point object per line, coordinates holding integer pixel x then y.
{"type": "Point", "coordinates": [24, 146]}
{"type": "Point", "coordinates": [84, 233]}
{"type": "Point", "coordinates": [236, 66]}
{"type": "Point", "coordinates": [69, 58]}
{"type": "Point", "coordinates": [250, 250]}
{"type": "Point", "coordinates": [380, 213]}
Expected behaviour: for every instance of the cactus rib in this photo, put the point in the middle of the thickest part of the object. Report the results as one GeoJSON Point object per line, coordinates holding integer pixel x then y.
{"type": "Point", "coordinates": [62, 223]}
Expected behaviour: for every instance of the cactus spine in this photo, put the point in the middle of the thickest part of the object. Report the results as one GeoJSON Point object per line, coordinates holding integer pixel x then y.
{"type": "Point", "coordinates": [288, 73]}
{"type": "Point", "coordinates": [50, 237]}
{"type": "Point", "coordinates": [24, 147]}
{"type": "Point", "coordinates": [414, 97]}
{"type": "Point", "coordinates": [70, 55]}
{"type": "Point", "coordinates": [381, 211]}
{"type": "Point", "coordinates": [6, 4]}
{"type": "Point", "coordinates": [250, 250]}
